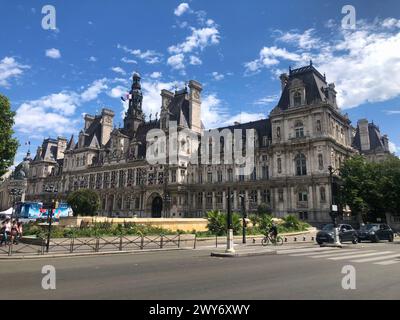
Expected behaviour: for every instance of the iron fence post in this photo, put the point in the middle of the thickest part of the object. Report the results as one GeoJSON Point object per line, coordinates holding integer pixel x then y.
{"type": "Point", "coordinates": [120, 243]}
{"type": "Point", "coordinates": [179, 240]}
{"type": "Point", "coordinates": [161, 242]}
{"type": "Point", "coordinates": [195, 241]}
{"type": "Point", "coordinates": [71, 246]}
{"type": "Point", "coordinates": [96, 248]}
{"type": "Point", "coordinates": [141, 242]}
{"type": "Point", "coordinates": [216, 241]}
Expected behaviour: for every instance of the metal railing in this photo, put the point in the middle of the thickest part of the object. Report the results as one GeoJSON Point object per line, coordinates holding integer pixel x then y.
{"type": "Point", "coordinates": [33, 246]}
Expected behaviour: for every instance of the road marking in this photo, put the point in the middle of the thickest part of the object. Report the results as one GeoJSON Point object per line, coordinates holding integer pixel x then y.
{"type": "Point", "coordinates": [324, 253]}
{"type": "Point", "coordinates": [361, 255]}
{"type": "Point", "coordinates": [341, 254]}
{"type": "Point", "coordinates": [286, 251]}
{"type": "Point", "coordinates": [388, 262]}
{"type": "Point", "coordinates": [397, 255]}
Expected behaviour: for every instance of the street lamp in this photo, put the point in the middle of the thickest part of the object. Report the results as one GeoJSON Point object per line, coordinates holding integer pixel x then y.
{"type": "Point", "coordinates": [334, 208]}
{"type": "Point", "coordinates": [229, 242]}
{"type": "Point", "coordinates": [50, 207]}
{"type": "Point", "coordinates": [244, 216]}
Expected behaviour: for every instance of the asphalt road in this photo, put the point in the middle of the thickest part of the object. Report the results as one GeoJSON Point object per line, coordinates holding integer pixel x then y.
{"type": "Point", "coordinates": [194, 274]}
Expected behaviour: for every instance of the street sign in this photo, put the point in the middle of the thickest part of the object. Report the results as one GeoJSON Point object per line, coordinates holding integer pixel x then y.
{"type": "Point", "coordinates": [334, 208]}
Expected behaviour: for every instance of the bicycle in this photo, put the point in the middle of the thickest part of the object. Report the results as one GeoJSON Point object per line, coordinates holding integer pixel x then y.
{"type": "Point", "coordinates": [267, 240]}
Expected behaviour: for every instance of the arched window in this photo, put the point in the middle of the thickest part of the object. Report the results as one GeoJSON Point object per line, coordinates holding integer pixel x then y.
{"type": "Point", "coordinates": [297, 99]}
{"type": "Point", "coordinates": [301, 165]}
{"type": "Point", "coordinates": [299, 129]}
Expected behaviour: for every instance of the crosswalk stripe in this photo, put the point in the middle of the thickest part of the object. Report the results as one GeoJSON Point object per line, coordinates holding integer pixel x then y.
{"type": "Point", "coordinates": [397, 255]}
{"type": "Point", "coordinates": [361, 255]}
{"type": "Point", "coordinates": [285, 251]}
{"type": "Point", "coordinates": [387, 262]}
{"type": "Point", "coordinates": [340, 254]}
{"type": "Point", "coordinates": [324, 253]}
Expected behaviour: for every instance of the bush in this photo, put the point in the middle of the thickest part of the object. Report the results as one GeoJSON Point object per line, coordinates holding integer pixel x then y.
{"type": "Point", "coordinates": [217, 222]}
{"type": "Point", "coordinates": [255, 220]}
{"type": "Point", "coordinates": [84, 202]}
{"type": "Point", "coordinates": [292, 222]}
{"type": "Point", "coordinates": [265, 223]}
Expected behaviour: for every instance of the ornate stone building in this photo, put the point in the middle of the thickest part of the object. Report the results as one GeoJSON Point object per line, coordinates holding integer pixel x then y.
{"type": "Point", "coordinates": [303, 135]}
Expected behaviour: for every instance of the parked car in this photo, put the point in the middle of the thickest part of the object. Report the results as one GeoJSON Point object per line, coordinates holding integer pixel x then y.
{"type": "Point", "coordinates": [346, 234]}
{"type": "Point", "coordinates": [375, 232]}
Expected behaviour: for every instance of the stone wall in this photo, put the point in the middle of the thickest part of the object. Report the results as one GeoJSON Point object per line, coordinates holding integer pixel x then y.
{"type": "Point", "coordinates": [173, 224]}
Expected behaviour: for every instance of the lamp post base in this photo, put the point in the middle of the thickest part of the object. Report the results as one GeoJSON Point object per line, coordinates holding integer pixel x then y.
{"type": "Point", "coordinates": [229, 242]}
{"type": "Point", "coordinates": [336, 237]}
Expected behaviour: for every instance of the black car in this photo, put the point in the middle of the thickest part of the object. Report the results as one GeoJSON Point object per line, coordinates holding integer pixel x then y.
{"type": "Point", "coordinates": [375, 232]}
{"type": "Point", "coordinates": [346, 233]}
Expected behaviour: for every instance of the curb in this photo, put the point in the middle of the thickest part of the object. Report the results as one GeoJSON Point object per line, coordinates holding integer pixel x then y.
{"type": "Point", "coordinates": [242, 254]}
{"type": "Point", "coordinates": [85, 254]}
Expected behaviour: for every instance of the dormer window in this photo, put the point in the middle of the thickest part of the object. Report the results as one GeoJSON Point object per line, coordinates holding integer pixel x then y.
{"type": "Point", "coordinates": [297, 99]}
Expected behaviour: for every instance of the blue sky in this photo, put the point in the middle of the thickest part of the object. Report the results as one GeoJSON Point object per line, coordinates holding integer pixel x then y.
{"type": "Point", "coordinates": [236, 49]}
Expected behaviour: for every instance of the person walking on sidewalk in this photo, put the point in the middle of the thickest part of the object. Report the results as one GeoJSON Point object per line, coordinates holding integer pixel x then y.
{"type": "Point", "coordinates": [6, 231]}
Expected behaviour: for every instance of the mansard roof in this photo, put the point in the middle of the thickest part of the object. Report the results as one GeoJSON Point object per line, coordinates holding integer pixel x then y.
{"type": "Point", "coordinates": [49, 150]}
{"type": "Point", "coordinates": [93, 132]}
{"type": "Point", "coordinates": [315, 86]}
{"type": "Point", "coordinates": [377, 142]}
{"type": "Point", "coordinates": [141, 134]}
{"type": "Point", "coordinates": [179, 108]}
{"type": "Point", "coordinates": [262, 127]}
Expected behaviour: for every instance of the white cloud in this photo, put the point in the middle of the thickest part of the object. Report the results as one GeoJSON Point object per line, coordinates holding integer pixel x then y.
{"type": "Point", "coordinates": [55, 112]}
{"type": "Point", "coordinates": [117, 92]}
{"type": "Point", "coordinates": [176, 61]}
{"type": "Point", "coordinates": [118, 70]}
{"type": "Point", "coordinates": [217, 76]}
{"type": "Point", "coordinates": [392, 112]}
{"type": "Point", "coordinates": [266, 100]}
{"type": "Point", "coordinates": [156, 75]}
{"type": "Point", "coordinates": [213, 114]}
{"type": "Point", "coordinates": [391, 23]}
{"type": "Point", "coordinates": [195, 60]}
{"type": "Point", "coordinates": [126, 60]}
{"type": "Point", "coordinates": [364, 63]}
{"type": "Point", "coordinates": [244, 117]}
{"type": "Point", "coordinates": [92, 59]}
{"type": "Point", "coordinates": [149, 56]}
{"type": "Point", "coordinates": [303, 40]}
{"type": "Point", "coordinates": [10, 68]}
{"type": "Point", "coordinates": [181, 9]}
{"type": "Point", "coordinates": [53, 53]}
{"type": "Point", "coordinates": [393, 147]}
{"type": "Point", "coordinates": [269, 56]}
{"type": "Point", "coordinates": [199, 39]}
{"type": "Point", "coordinates": [94, 90]}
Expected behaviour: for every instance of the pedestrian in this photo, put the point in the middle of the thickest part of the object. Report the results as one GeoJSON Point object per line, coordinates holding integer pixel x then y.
{"type": "Point", "coordinates": [6, 231]}
{"type": "Point", "coordinates": [14, 231]}
{"type": "Point", "coordinates": [19, 231]}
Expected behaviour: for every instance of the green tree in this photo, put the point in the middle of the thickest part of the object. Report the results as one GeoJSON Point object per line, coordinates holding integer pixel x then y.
{"type": "Point", "coordinates": [8, 144]}
{"type": "Point", "coordinates": [84, 202]}
{"type": "Point", "coordinates": [371, 189]}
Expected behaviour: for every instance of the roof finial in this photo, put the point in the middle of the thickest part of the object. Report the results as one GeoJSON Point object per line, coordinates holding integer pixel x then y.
{"type": "Point", "coordinates": [310, 63]}
{"type": "Point", "coordinates": [290, 69]}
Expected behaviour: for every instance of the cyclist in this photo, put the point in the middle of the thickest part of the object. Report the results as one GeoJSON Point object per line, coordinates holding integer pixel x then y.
{"type": "Point", "coordinates": [273, 231]}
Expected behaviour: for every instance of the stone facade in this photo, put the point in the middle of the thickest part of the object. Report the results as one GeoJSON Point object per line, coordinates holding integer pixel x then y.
{"type": "Point", "coordinates": [303, 135]}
